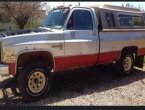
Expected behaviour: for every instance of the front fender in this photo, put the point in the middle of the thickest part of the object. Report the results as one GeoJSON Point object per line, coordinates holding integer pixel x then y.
{"type": "Point", "coordinates": [47, 54]}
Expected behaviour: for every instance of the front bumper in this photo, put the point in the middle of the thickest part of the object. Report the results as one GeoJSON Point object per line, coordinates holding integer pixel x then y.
{"type": "Point", "coordinates": [4, 70]}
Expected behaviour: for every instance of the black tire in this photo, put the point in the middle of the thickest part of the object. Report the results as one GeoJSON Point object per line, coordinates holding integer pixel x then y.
{"type": "Point", "coordinates": [27, 75]}
{"type": "Point", "coordinates": [120, 66]}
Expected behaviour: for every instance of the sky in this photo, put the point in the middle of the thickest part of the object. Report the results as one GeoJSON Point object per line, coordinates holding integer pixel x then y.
{"type": "Point", "coordinates": [50, 5]}
{"type": "Point", "coordinates": [136, 4]}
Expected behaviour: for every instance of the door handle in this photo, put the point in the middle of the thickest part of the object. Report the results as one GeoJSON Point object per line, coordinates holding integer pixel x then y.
{"type": "Point", "coordinates": [92, 33]}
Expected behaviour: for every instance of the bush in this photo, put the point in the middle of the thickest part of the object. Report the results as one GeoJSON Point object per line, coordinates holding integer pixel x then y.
{"type": "Point", "coordinates": [33, 24]}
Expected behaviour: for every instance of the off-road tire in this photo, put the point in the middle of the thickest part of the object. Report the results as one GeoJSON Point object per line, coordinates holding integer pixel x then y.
{"type": "Point", "coordinates": [120, 64]}
{"type": "Point", "coordinates": [24, 79]}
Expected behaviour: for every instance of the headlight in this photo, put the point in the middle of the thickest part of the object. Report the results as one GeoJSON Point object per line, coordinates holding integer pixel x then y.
{"type": "Point", "coordinates": [9, 56]}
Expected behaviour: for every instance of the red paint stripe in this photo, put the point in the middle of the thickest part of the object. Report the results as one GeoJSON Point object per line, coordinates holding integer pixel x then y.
{"type": "Point", "coordinates": [64, 63]}
{"type": "Point", "coordinates": [12, 68]}
{"type": "Point", "coordinates": [81, 60]}
{"type": "Point", "coordinates": [59, 64]}
{"type": "Point", "coordinates": [84, 60]}
{"type": "Point", "coordinates": [105, 58]}
{"type": "Point", "coordinates": [141, 51]}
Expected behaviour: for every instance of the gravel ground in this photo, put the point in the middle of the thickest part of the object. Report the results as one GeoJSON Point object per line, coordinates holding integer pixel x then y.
{"type": "Point", "coordinates": [89, 86]}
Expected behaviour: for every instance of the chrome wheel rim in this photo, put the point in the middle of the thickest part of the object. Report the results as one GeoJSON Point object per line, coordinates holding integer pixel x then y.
{"type": "Point", "coordinates": [127, 63]}
{"type": "Point", "coordinates": [36, 82]}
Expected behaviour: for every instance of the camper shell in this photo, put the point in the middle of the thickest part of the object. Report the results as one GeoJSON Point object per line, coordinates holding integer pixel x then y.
{"type": "Point", "coordinates": [109, 17]}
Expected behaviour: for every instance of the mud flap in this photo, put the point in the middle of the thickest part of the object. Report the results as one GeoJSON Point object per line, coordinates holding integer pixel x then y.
{"type": "Point", "coordinates": [139, 61]}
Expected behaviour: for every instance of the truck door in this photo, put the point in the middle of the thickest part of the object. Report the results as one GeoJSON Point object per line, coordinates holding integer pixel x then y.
{"type": "Point", "coordinates": [81, 39]}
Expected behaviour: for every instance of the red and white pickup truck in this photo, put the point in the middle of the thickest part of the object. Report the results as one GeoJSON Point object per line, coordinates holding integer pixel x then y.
{"type": "Point", "coordinates": [72, 38]}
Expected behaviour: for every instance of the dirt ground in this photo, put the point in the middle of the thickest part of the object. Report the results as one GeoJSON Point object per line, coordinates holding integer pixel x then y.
{"type": "Point", "coordinates": [98, 85]}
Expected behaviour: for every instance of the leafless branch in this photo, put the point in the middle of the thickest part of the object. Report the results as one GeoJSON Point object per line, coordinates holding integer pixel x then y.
{"type": "Point", "coordinates": [21, 12]}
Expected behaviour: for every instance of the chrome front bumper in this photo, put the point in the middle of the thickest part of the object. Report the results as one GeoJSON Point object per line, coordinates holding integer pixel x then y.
{"type": "Point", "coordinates": [4, 70]}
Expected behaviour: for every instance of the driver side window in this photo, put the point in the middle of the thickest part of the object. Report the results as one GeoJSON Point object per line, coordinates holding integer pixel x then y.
{"type": "Point", "coordinates": [80, 20]}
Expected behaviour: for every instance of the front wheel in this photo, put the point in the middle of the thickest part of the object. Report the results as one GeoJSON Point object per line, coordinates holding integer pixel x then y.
{"type": "Point", "coordinates": [34, 81]}
{"type": "Point", "coordinates": [125, 65]}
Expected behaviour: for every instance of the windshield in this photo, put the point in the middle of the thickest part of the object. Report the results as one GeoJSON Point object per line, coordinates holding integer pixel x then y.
{"type": "Point", "coordinates": [56, 18]}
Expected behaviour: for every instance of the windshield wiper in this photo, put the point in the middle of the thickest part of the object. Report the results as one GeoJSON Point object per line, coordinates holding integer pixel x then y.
{"type": "Point", "coordinates": [53, 26]}
{"type": "Point", "coordinates": [50, 26]}
{"type": "Point", "coordinates": [57, 27]}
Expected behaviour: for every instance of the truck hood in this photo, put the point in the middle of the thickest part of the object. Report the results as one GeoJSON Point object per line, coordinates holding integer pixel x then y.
{"type": "Point", "coordinates": [32, 38]}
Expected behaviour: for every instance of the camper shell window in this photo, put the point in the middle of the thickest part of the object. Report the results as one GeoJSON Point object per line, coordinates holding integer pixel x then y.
{"type": "Point", "coordinates": [137, 21]}
{"type": "Point", "coordinates": [125, 20]}
{"type": "Point", "coordinates": [130, 20]}
{"type": "Point", "coordinates": [110, 20]}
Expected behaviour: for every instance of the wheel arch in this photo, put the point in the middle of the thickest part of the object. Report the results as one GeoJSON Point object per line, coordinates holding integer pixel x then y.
{"type": "Point", "coordinates": [138, 59]}
{"type": "Point", "coordinates": [25, 57]}
{"type": "Point", "coordinates": [133, 49]}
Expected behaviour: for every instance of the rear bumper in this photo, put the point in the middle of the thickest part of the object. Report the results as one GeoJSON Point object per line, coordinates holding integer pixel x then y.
{"type": "Point", "coordinates": [4, 70]}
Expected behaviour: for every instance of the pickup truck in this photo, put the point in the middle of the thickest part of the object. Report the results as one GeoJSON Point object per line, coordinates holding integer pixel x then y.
{"type": "Point", "coordinates": [74, 37]}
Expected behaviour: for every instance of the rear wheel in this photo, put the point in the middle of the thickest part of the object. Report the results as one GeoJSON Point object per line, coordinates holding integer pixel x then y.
{"type": "Point", "coordinates": [125, 65]}
{"type": "Point", "coordinates": [34, 81]}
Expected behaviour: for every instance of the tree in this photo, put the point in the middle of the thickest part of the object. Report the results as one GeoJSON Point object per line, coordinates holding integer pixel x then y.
{"type": "Point", "coordinates": [141, 8]}
{"type": "Point", "coordinates": [133, 6]}
{"type": "Point", "coordinates": [21, 12]}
